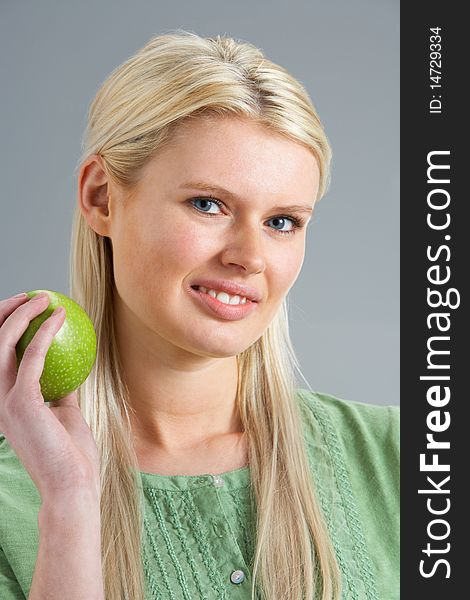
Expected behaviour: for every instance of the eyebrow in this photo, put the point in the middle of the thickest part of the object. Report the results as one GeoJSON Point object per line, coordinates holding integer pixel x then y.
{"type": "Point", "coordinates": [209, 187]}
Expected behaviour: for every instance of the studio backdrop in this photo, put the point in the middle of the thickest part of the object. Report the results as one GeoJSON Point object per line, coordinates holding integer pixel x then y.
{"type": "Point", "coordinates": [344, 307]}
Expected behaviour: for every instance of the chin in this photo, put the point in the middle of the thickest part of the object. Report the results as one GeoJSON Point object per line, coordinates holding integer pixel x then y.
{"type": "Point", "coordinates": [214, 351]}
{"type": "Point", "coordinates": [218, 347]}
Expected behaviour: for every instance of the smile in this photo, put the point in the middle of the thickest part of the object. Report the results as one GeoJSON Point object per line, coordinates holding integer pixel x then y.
{"type": "Point", "coordinates": [223, 296]}
{"type": "Point", "coordinates": [221, 304]}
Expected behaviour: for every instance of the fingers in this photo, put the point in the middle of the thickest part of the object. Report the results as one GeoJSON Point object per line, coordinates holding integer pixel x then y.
{"type": "Point", "coordinates": [11, 331]}
{"type": "Point", "coordinates": [32, 363]}
{"type": "Point", "coordinates": [8, 305]}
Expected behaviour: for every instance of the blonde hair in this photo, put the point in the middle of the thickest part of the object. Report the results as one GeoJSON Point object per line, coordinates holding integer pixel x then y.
{"type": "Point", "coordinates": [174, 77]}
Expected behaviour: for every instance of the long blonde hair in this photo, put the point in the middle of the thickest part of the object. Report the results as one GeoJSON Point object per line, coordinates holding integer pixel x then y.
{"type": "Point", "coordinates": [135, 112]}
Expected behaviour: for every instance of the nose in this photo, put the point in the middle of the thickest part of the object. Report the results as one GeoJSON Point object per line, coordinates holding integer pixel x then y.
{"type": "Point", "coordinates": [244, 249]}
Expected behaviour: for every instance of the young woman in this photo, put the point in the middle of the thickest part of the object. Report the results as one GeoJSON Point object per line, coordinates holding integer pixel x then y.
{"type": "Point", "coordinates": [189, 465]}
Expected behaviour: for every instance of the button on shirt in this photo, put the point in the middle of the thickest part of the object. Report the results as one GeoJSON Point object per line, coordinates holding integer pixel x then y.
{"type": "Point", "coordinates": [237, 577]}
{"type": "Point", "coordinates": [199, 529]}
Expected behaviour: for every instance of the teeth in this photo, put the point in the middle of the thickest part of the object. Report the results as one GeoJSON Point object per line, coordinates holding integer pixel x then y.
{"type": "Point", "coordinates": [223, 296]}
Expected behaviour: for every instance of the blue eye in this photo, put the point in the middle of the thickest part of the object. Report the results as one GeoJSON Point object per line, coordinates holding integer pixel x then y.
{"type": "Point", "coordinates": [207, 201]}
{"type": "Point", "coordinates": [297, 223]}
{"type": "Point", "coordinates": [283, 220]}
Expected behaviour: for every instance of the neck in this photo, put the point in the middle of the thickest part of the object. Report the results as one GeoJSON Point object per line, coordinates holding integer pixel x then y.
{"type": "Point", "coordinates": [179, 401]}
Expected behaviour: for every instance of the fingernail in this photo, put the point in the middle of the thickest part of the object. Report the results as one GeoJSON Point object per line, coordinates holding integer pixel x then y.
{"type": "Point", "coordinates": [58, 311]}
{"type": "Point", "coordinates": [40, 296]}
{"type": "Point", "coordinates": [22, 295]}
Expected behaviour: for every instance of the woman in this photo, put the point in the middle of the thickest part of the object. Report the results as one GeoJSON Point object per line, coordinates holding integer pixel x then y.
{"type": "Point", "coordinates": [188, 465]}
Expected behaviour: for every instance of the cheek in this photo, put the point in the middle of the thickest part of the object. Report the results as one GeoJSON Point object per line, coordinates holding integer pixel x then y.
{"type": "Point", "coordinates": [165, 251]}
{"type": "Point", "coordinates": [284, 268]}
{"type": "Point", "coordinates": [184, 248]}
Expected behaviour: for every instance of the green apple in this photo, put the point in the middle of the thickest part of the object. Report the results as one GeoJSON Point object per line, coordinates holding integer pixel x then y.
{"type": "Point", "coordinates": [72, 352]}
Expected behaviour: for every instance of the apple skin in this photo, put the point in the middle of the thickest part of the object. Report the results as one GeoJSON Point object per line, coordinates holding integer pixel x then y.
{"type": "Point", "coordinates": [72, 352]}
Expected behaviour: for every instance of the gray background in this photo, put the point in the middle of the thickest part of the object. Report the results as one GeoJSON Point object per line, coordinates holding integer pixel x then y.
{"type": "Point", "coordinates": [345, 305]}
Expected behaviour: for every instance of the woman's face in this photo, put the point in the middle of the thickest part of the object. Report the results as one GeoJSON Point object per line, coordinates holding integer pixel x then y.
{"type": "Point", "coordinates": [169, 236]}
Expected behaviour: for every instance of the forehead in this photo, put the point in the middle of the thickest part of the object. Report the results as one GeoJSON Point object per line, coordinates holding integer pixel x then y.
{"type": "Point", "coordinates": [239, 154]}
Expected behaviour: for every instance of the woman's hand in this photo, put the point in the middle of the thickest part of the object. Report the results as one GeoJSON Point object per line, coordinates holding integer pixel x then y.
{"type": "Point", "coordinates": [54, 442]}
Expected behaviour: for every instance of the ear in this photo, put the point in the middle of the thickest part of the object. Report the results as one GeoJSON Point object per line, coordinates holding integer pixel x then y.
{"type": "Point", "coordinates": [94, 198]}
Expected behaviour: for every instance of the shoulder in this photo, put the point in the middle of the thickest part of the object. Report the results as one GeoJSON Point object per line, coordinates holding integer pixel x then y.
{"type": "Point", "coordinates": [362, 442]}
{"type": "Point", "coordinates": [10, 464]}
{"type": "Point", "coordinates": [19, 538]}
{"type": "Point", "coordinates": [348, 422]}
{"type": "Point", "coordinates": [17, 490]}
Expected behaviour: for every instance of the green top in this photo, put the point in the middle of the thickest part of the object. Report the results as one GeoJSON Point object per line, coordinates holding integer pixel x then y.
{"type": "Point", "coordinates": [199, 529]}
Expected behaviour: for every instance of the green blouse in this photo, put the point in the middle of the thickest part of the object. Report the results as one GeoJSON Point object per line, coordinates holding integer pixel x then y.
{"type": "Point", "coordinates": [200, 529]}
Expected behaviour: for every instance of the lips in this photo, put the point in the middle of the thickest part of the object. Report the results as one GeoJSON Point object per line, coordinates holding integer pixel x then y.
{"type": "Point", "coordinates": [228, 312]}
{"type": "Point", "coordinates": [232, 288]}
